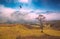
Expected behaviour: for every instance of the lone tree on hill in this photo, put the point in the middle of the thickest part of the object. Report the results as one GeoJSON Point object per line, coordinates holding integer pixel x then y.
{"type": "Point", "coordinates": [41, 18]}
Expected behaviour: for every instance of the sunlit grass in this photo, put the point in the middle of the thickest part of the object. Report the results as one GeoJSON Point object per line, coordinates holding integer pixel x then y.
{"type": "Point", "coordinates": [21, 30]}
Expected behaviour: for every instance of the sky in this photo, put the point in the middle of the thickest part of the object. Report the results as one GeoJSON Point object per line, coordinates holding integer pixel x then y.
{"type": "Point", "coordinates": [33, 4]}
{"type": "Point", "coordinates": [10, 10]}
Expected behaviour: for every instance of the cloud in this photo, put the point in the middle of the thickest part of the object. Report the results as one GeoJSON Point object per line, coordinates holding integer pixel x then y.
{"type": "Point", "coordinates": [24, 15]}
{"type": "Point", "coordinates": [24, 1]}
{"type": "Point", "coordinates": [5, 13]}
{"type": "Point", "coordinates": [39, 11]}
{"type": "Point", "coordinates": [52, 16]}
{"type": "Point", "coordinates": [9, 14]}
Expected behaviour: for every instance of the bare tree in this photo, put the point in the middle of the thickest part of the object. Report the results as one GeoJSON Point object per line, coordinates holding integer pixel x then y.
{"type": "Point", "coordinates": [41, 18]}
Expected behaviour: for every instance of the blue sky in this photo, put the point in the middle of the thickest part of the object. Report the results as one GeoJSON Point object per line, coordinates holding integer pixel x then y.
{"type": "Point", "coordinates": [53, 5]}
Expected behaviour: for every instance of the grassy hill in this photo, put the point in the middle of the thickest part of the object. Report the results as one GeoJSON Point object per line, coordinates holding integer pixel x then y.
{"type": "Point", "coordinates": [20, 31]}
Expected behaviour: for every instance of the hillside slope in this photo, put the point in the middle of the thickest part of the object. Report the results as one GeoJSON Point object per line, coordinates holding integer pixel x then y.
{"type": "Point", "coordinates": [12, 31]}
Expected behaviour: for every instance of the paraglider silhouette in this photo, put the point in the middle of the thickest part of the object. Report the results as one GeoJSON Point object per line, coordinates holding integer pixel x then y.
{"type": "Point", "coordinates": [20, 6]}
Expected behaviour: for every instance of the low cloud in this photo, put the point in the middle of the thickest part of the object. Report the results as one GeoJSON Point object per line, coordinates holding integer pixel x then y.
{"type": "Point", "coordinates": [52, 16]}
{"type": "Point", "coordinates": [12, 15]}
{"type": "Point", "coordinates": [24, 15]}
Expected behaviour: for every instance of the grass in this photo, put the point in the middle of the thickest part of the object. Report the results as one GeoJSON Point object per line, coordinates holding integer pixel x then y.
{"type": "Point", "coordinates": [20, 30]}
